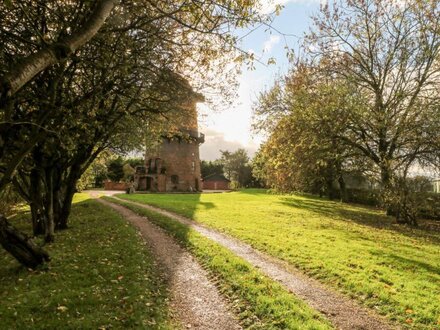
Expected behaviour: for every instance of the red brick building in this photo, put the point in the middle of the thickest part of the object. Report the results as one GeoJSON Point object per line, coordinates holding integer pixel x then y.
{"type": "Point", "coordinates": [216, 182]}
{"type": "Point", "coordinates": [174, 165]}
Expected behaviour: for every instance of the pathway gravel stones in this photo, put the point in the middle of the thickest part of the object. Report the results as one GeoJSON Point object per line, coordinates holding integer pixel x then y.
{"type": "Point", "coordinates": [343, 312]}
{"type": "Point", "coordinates": [195, 301]}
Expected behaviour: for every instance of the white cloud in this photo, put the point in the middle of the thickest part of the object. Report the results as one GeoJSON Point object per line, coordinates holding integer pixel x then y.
{"type": "Point", "coordinates": [269, 43]}
{"type": "Point", "coordinates": [216, 141]}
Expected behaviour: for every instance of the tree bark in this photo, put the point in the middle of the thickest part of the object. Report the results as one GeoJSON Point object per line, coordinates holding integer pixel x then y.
{"type": "Point", "coordinates": [63, 216]}
{"type": "Point", "coordinates": [385, 176]}
{"type": "Point", "coordinates": [20, 246]}
{"type": "Point", "coordinates": [36, 203]}
{"type": "Point", "coordinates": [342, 188]}
{"type": "Point", "coordinates": [49, 228]}
{"type": "Point", "coordinates": [54, 53]}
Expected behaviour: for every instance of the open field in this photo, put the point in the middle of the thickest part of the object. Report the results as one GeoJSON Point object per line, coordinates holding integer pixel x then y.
{"type": "Point", "coordinates": [358, 250]}
{"type": "Point", "coordinates": [100, 276]}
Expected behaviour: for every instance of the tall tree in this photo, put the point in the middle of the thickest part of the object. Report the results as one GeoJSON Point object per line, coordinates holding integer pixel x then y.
{"type": "Point", "coordinates": [389, 51]}
{"type": "Point", "coordinates": [101, 90]}
{"type": "Point", "coordinates": [303, 114]}
{"type": "Point", "coordinates": [236, 166]}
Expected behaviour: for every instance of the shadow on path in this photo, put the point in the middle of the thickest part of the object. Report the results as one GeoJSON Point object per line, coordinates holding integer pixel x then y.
{"type": "Point", "coordinates": [343, 312]}
{"type": "Point", "coordinates": [195, 300]}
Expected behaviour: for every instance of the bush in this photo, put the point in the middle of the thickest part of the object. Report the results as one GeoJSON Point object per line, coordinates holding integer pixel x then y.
{"type": "Point", "coordinates": [365, 197]}
{"type": "Point", "coordinates": [428, 203]}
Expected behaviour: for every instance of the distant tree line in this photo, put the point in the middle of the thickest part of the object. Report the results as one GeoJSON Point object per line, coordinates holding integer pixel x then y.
{"type": "Point", "coordinates": [363, 98]}
{"type": "Point", "coordinates": [235, 166]}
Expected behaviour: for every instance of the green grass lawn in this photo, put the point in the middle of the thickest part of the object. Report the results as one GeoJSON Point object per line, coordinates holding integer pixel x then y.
{"type": "Point", "coordinates": [101, 276]}
{"type": "Point", "coordinates": [392, 269]}
{"type": "Point", "coordinates": [260, 302]}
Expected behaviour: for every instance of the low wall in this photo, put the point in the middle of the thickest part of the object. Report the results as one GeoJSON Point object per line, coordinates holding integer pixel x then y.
{"type": "Point", "coordinates": [216, 185]}
{"type": "Point", "coordinates": [109, 185]}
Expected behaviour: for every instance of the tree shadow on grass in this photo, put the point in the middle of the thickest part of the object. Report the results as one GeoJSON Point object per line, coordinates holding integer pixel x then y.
{"type": "Point", "coordinates": [185, 204]}
{"type": "Point", "coordinates": [412, 264]}
{"type": "Point", "coordinates": [358, 214]}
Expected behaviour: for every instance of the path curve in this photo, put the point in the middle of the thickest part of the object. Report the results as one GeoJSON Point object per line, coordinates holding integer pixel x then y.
{"type": "Point", "coordinates": [195, 301]}
{"type": "Point", "coordinates": [344, 313]}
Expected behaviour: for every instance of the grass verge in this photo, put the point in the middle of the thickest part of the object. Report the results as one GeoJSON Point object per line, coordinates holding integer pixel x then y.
{"type": "Point", "coordinates": [392, 269]}
{"type": "Point", "coordinates": [101, 276]}
{"type": "Point", "coordinates": [260, 302]}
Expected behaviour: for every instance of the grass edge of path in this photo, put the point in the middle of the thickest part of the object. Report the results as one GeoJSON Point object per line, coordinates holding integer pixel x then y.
{"type": "Point", "coordinates": [101, 276]}
{"type": "Point", "coordinates": [385, 271]}
{"type": "Point", "coordinates": [260, 302]}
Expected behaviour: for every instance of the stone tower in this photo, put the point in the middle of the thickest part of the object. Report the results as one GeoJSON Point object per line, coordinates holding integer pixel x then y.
{"type": "Point", "coordinates": [174, 165]}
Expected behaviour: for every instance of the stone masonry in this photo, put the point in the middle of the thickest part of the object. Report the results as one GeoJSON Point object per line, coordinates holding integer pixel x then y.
{"type": "Point", "coordinates": [175, 164]}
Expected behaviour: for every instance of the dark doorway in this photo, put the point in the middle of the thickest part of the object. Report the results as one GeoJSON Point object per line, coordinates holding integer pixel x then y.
{"type": "Point", "coordinates": [142, 184]}
{"type": "Point", "coordinates": [149, 181]}
{"type": "Point", "coordinates": [197, 184]}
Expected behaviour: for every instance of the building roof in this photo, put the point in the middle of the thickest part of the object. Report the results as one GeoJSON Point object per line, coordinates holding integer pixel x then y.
{"type": "Point", "coordinates": [215, 177]}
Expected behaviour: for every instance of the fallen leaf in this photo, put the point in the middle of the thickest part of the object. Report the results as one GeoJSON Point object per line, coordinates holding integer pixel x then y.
{"type": "Point", "coordinates": [62, 308]}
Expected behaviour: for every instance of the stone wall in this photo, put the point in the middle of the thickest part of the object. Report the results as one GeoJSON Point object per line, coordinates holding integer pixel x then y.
{"type": "Point", "coordinates": [109, 185]}
{"type": "Point", "coordinates": [216, 185]}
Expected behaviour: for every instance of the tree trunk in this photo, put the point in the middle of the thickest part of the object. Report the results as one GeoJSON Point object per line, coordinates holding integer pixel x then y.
{"type": "Point", "coordinates": [36, 204]}
{"type": "Point", "coordinates": [330, 189]}
{"type": "Point", "coordinates": [20, 246]}
{"type": "Point", "coordinates": [385, 176]}
{"type": "Point", "coordinates": [342, 188]}
{"type": "Point", "coordinates": [329, 179]}
{"type": "Point", "coordinates": [69, 191]}
{"type": "Point", "coordinates": [37, 220]}
{"type": "Point", "coordinates": [341, 181]}
{"type": "Point", "coordinates": [49, 228]}
{"type": "Point", "coordinates": [63, 217]}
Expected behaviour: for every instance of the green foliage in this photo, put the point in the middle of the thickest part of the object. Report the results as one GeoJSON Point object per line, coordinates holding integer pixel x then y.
{"type": "Point", "coordinates": [101, 276]}
{"type": "Point", "coordinates": [100, 97]}
{"type": "Point", "coordinates": [357, 250]}
{"type": "Point", "coordinates": [409, 199]}
{"type": "Point", "coordinates": [260, 302]}
{"type": "Point", "coordinates": [211, 167]}
{"type": "Point", "coordinates": [236, 167]}
{"type": "Point", "coordinates": [358, 100]}
{"type": "Point", "coordinates": [115, 169]}
{"type": "Point", "coordinates": [304, 115]}
{"type": "Point", "coordinates": [133, 162]}
{"type": "Point", "coordinates": [120, 168]}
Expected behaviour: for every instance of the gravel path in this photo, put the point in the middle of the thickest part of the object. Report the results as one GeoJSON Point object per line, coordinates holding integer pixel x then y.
{"type": "Point", "coordinates": [195, 301]}
{"type": "Point", "coordinates": [343, 312]}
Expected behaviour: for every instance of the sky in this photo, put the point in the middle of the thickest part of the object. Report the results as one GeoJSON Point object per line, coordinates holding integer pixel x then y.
{"type": "Point", "coordinates": [231, 128]}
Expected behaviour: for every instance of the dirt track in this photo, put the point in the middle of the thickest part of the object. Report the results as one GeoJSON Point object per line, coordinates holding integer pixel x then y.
{"type": "Point", "coordinates": [195, 301]}
{"type": "Point", "coordinates": [343, 312]}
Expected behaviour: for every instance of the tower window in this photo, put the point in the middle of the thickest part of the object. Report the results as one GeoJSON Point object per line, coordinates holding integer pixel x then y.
{"type": "Point", "coordinates": [174, 179]}
{"type": "Point", "coordinates": [193, 166]}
